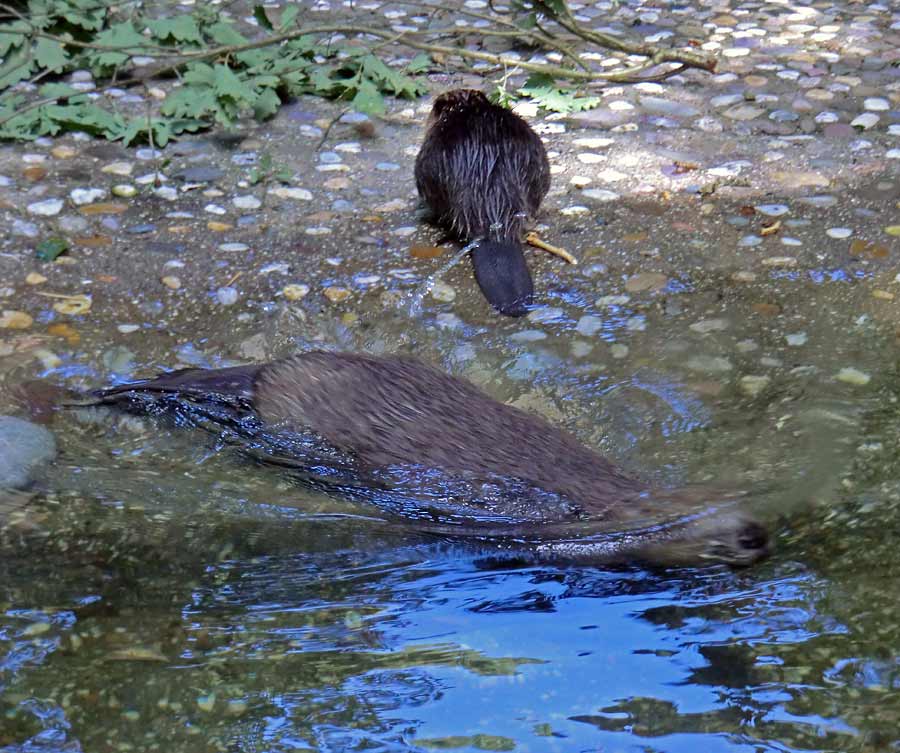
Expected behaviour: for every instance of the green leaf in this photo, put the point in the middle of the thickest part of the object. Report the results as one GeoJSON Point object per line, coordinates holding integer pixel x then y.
{"type": "Point", "coordinates": [419, 63]}
{"type": "Point", "coordinates": [224, 33]}
{"type": "Point", "coordinates": [12, 35]}
{"type": "Point", "coordinates": [60, 91]}
{"type": "Point", "coordinates": [259, 13]}
{"type": "Point", "coordinates": [182, 28]}
{"type": "Point", "coordinates": [123, 36]}
{"type": "Point", "coordinates": [229, 85]}
{"type": "Point", "coordinates": [192, 102]}
{"type": "Point", "coordinates": [49, 249]}
{"type": "Point", "coordinates": [288, 17]}
{"type": "Point", "coordinates": [16, 67]}
{"type": "Point", "coordinates": [543, 91]}
{"type": "Point", "coordinates": [50, 54]}
{"type": "Point", "coordinates": [368, 99]}
{"type": "Point", "coordinates": [200, 74]}
{"type": "Point", "coordinates": [266, 104]}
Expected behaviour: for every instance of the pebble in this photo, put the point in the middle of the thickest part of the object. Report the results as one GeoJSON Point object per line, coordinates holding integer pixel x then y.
{"type": "Point", "coordinates": [227, 295]}
{"type": "Point", "coordinates": [646, 281]}
{"type": "Point", "coordinates": [336, 294]}
{"type": "Point", "coordinates": [46, 208]}
{"type": "Point", "coordinates": [877, 104]}
{"type": "Point", "coordinates": [229, 247]}
{"type": "Point", "coordinates": [15, 320]}
{"type": "Point", "coordinates": [443, 292]}
{"type": "Point", "coordinates": [123, 190]}
{"type": "Point", "coordinates": [752, 385]}
{"type": "Point", "coordinates": [839, 232]}
{"type": "Point", "coordinates": [590, 158]}
{"type": "Point", "coordinates": [246, 202]}
{"type": "Point", "coordinates": [295, 292]}
{"type": "Point", "coordinates": [291, 192]}
{"type": "Point", "coordinates": [779, 261]}
{"type": "Point", "coordinates": [171, 282]}
{"type": "Point", "coordinates": [710, 364]}
{"type": "Point", "coordinates": [589, 325]}
{"type": "Point", "coordinates": [865, 121]}
{"type": "Point", "coordinates": [796, 339]}
{"type": "Point", "coordinates": [618, 351]}
{"type": "Point", "coordinates": [80, 196]}
{"type": "Point", "coordinates": [127, 329]}
{"type": "Point", "coordinates": [23, 228]}
{"type": "Point", "coordinates": [853, 376]}
{"type": "Point", "coordinates": [24, 447]}
{"type": "Point", "coordinates": [123, 169]}
{"type": "Point", "coordinates": [166, 193]}
{"type": "Point", "coordinates": [600, 194]}
{"type": "Point", "coordinates": [705, 326]}
{"type": "Point", "coordinates": [772, 210]}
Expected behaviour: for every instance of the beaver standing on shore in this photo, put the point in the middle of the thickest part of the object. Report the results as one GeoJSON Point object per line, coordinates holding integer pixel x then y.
{"type": "Point", "coordinates": [482, 171]}
{"type": "Point", "coordinates": [433, 447]}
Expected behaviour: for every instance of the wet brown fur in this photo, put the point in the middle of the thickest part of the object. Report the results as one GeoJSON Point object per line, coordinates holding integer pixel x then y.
{"type": "Point", "coordinates": [482, 171]}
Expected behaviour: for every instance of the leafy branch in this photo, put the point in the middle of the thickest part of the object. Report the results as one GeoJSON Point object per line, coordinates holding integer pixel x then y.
{"type": "Point", "coordinates": [223, 75]}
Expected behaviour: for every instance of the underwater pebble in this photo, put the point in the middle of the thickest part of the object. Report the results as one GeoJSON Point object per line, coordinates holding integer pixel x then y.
{"type": "Point", "coordinates": [23, 447]}
{"type": "Point", "coordinates": [877, 104]}
{"type": "Point", "coordinates": [752, 385]}
{"type": "Point", "coordinates": [233, 247]}
{"type": "Point", "coordinates": [839, 232]}
{"type": "Point", "coordinates": [612, 300]}
{"type": "Point", "coordinates": [171, 282]}
{"type": "Point", "coordinates": [589, 325]}
{"type": "Point", "coordinates": [779, 261]}
{"type": "Point", "coordinates": [618, 351]}
{"type": "Point", "coordinates": [123, 169]}
{"type": "Point", "coordinates": [227, 295]}
{"type": "Point", "coordinates": [797, 339]}
{"type": "Point", "coordinates": [528, 336]}
{"type": "Point", "coordinates": [709, 325]}
{"type": "Point", "coordinates": [15, 320]}
{"type": "Point", "coordinates": [443, 292]}
{"type": "Point", "coordinates": [853, 376]}
{"type": "Point", "coordinates": [711, 364]}
{"type": "Point", "coordinates": [295, 291]}
{"type": "Point", "coordinates": [127, 329]}
{"type": "Point", "coordinates": [336, 294]}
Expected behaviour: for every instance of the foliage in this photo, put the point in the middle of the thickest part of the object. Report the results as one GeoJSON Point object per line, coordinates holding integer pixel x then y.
{"type": "Point", "coordinates": [49, 38]}
{"type": "Point", "coordinates": [546, 93]}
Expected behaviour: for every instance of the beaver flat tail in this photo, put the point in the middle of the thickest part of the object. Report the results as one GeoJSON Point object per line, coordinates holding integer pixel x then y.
{"type": "Point", "coordinates": [503, 276]}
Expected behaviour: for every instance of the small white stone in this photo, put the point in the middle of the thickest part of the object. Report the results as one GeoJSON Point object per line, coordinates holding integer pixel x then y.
{"type": "Point", "coordinates": [46, 208]}
{"type": "Point", "coordinates": [772, 210]}
{"type": "Point", "coordinates": [865, 121]}
{"type": "Point", "coordinates": [124, 190]}
{"type": "Point", "coordinates": [752, 385]}
{"type": "Point", "coordinates": [589, 325]}
{"type": "Point", "coordinates": [214, 209]}
{"type": "Point", "coordinates": [574, 210]}
{"type": "Point", "coordinates": [594, 143]}
{"type": "Point", "coordinates": [127, 329]}
{"type": "Point", "coordinates": [291, 192]}
{"type": "Point", "coordinates": [796, 339]}
{"type": "Point", "coordinates": [892, 154]}
{"type": "Point", "coordinates": [618, 351]}
{"type": "Point", "coordinates": [620, 105]}
{"type": "Point", "coordinates": [589, 158]}
{"type": "Point", "coordinates": [318, 231]}
{"type": "Point", "coordinates": [709, 325]}
{"type": "Point", "coordinates": [227, 296]}
{"type": "Point", "coordinates": [877, 104]}
{"type": "Point", "coordinates": [853, 376]}
{"type": "Point", "coordinates": [246, 202]}
{"type": "Point", "coordinates": [600, 194]}
{"type": "Point", "coordinates": [166, 193]}
{"type": "Point", "coordinates": [441, 291]}
{"type": "Point", "coordinates": [839, 232]}
{"type": "Point", "coordinates": [80, 196]}
{"type": "Point", "coordinates": [232, 247]}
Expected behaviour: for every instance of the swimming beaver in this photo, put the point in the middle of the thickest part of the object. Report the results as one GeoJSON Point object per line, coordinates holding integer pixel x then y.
{"type": "Point", "coordinates": [432, 446]}
{"type": "Point", "coordinates": [481, 171]}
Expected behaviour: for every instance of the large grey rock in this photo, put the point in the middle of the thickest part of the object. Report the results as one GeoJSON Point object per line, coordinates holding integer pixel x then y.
{"type": "Point", "coordinates": [24, 446]}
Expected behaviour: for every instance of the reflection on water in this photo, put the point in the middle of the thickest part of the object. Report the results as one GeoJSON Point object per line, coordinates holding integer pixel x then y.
{"type": "Point", "coordinates": [157, 596]}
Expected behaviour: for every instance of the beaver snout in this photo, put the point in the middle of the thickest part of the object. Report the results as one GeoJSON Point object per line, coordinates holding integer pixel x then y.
{"type": "Point", "coordinates": [736, 540]}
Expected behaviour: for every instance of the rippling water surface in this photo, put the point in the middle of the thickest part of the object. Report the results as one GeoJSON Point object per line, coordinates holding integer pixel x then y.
{"type": "Point", "coordinates": [159, 595]}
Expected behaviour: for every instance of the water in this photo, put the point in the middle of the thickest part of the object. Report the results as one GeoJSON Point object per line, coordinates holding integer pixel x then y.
{"type": "Point", "coordinates": [157, 595]}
